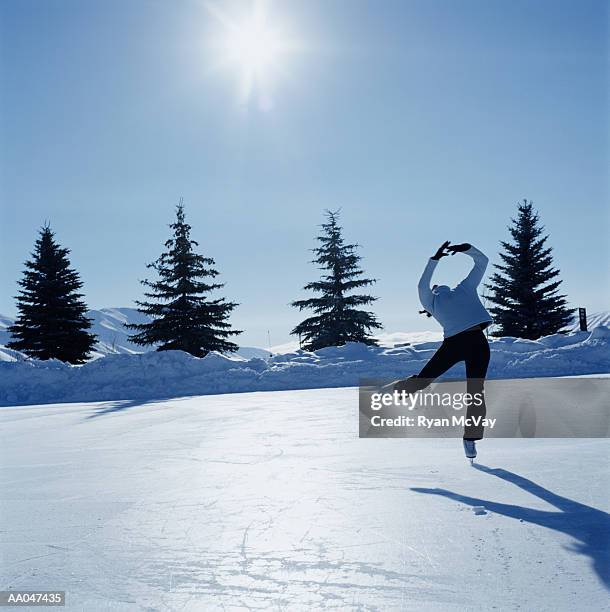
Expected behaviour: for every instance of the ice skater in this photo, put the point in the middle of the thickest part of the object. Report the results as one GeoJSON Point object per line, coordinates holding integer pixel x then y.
{"type": "Point", "coordinates": [463, 319]}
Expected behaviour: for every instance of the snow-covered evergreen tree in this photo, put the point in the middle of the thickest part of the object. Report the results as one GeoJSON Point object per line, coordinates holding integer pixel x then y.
{"type": "Point", "coordinates": [527, 303]}
{"type": "Point", "coordinates": [185, 317]}
{"type": "Point", "coordinates": [51, 323]}
{"type": "Point", "coordinates": [336, 318]}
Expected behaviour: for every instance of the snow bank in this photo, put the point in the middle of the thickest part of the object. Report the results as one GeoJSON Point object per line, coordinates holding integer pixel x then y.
{"type": "Point", "coordinates": [174, 373]}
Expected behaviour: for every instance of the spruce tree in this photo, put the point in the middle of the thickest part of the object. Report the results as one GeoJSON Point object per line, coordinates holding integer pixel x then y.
{"type": "Point", "coordinates": [525, 288]}
{"type": "Point", "coordinates": [51, 323]}
{"type": "Point", "coordinates": [185, 317]}
{"type": "Point", "coordinates": [336, 318]}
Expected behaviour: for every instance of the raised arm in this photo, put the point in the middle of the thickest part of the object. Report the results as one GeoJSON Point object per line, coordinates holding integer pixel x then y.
{"type": "Point", "coordinates": [423, 287]}
{"type": "Point", "coordinates": [480, 264]}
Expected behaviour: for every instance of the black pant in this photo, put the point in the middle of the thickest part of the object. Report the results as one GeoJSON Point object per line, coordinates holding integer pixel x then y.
{"type": "Point", "coordinates": [469, 346]}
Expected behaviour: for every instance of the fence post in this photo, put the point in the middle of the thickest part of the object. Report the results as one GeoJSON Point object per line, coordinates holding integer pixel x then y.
{"type": "Point", "coordinates": [582, 318]}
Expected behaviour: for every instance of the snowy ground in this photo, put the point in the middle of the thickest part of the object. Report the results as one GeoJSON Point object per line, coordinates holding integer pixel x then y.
{"type": "Point", "coordinates": [270, 501]}
{"type": "Point", "coordinates": [174, 373]}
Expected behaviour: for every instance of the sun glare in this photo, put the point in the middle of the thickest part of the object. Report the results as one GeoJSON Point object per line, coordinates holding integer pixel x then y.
{"type": "Point", "coordinates": [253, 48]}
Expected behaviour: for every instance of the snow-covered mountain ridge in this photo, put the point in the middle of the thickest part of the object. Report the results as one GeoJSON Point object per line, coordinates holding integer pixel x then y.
{"type": "Point", "coordinates": [109, 326]}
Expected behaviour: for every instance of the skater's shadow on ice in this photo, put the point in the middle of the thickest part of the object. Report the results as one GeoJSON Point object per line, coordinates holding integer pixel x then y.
{"type": "Point", "coordinates": [588, 526]}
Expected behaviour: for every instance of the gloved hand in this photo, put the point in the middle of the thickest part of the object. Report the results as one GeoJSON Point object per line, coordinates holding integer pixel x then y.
{"type": "Point", "coordinates": [441, 251]}
{"type": "Point", "coordinates": [458, 248]}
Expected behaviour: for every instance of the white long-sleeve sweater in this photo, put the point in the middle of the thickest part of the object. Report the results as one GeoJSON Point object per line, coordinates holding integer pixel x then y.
{"type": "Point", "coordinates": [460, 308]}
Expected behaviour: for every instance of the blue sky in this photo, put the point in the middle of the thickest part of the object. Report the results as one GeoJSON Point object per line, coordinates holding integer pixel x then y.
{"type": "Point", "coordinates": [423, 121]}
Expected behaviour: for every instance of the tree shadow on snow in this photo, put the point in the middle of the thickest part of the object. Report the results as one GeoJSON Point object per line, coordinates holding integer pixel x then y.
{"type": "Point", "coordinates": [588, 526]}
{"type": "Point", "coordinates": [120, 405]}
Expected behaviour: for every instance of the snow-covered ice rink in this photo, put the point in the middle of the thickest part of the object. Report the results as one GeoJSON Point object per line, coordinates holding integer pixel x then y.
{"type": "Point", "coordinates": [270, 501]}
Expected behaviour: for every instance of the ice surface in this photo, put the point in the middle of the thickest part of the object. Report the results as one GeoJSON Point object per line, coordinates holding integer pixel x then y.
{"type": "Point", "coordinates": [269, 501]}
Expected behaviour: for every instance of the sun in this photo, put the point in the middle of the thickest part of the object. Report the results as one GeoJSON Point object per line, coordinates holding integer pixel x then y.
{"type": "Point", "coordinates": [254, 49]}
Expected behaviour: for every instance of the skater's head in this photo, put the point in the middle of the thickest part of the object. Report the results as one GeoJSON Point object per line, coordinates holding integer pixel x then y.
{"type": "Point", "coordinates": [438, 289]}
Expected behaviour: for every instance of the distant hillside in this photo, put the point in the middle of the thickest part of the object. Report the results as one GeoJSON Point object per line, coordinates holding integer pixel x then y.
{"type": "Point", "coordinates": [4, 323]}
{"type": "Point", "coordinates": [109, 326]}
{"type": "Point", "coordinates": [385, 339]}
{"type": "Point", "coordinates": [594, 320]}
